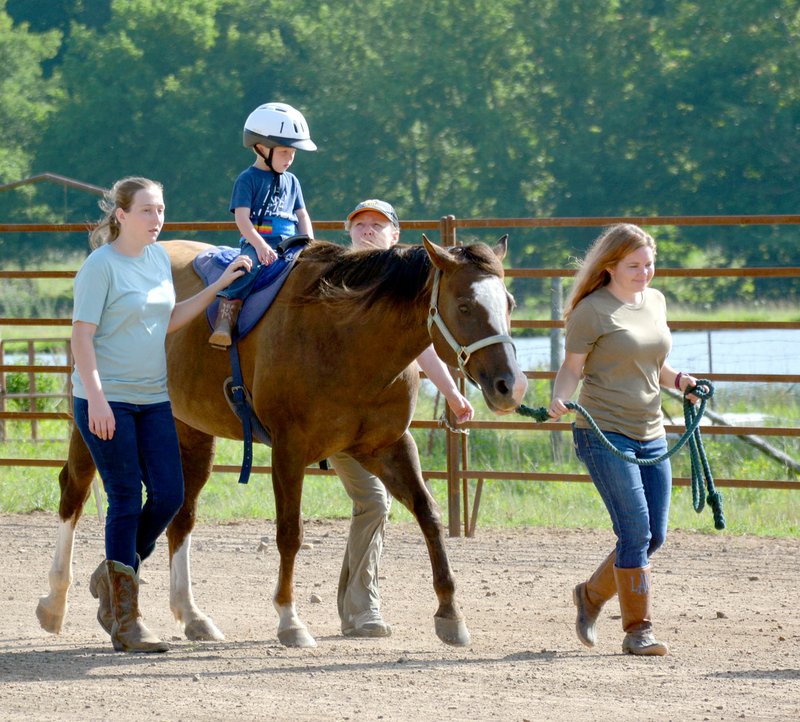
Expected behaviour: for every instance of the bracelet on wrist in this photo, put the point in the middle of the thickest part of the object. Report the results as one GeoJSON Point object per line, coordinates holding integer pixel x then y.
{"type": "Point", "coordinates": [678, 380]}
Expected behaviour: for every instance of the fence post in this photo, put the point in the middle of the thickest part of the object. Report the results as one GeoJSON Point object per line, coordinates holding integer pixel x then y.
{"type": "Point", "coordinates": [2, 390]}
{"type": "Point", "coordinates": [447, 231]}
{"type": "Point", "coordinates": [32, 389]}
{"type": "Point", "coordinates": [556, 356]}
{"type": "Point", "coordinates": [68, 356]}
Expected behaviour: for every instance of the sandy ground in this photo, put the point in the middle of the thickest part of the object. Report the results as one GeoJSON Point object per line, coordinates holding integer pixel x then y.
{"type": "Point", "coordinates": [727, 606]}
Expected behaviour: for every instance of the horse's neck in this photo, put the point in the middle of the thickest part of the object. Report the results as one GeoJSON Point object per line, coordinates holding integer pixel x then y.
{"type": "Point", "coordinates": [385, 337]}
{"type": "Point", "coordinates": [394, 337]}
{"type": "Point", "coordinates": [414, 341]}
{"type": "Point", "coordinates": [411, 324]}
{"type": "Point", "coordinates": [401, 338]}
{"type": "Point", "coordinates": [389, 337]}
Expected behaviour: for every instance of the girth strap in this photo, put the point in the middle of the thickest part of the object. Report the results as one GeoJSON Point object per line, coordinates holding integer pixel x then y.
{"type": "Point", "coordinates": [240, 401]}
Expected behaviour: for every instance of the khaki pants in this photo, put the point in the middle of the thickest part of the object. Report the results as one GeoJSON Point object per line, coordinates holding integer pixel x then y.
{"type": "Point", "coordinates": [358, 581]}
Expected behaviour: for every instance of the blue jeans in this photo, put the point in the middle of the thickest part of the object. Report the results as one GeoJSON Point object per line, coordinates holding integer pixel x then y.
{"type": "Point", "coordinates": [143, 451]}
{"type": "Point", "coordinates": [637, 497]}
{"type": "Point", "coordinates": [240, 289]}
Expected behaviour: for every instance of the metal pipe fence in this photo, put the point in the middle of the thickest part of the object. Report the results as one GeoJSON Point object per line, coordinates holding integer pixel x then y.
{"type": "Point", "coordinates": [462, 511]}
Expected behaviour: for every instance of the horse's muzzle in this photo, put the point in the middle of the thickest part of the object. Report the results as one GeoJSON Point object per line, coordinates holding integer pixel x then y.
{"type": "Point", "coordinates": [503, 392]}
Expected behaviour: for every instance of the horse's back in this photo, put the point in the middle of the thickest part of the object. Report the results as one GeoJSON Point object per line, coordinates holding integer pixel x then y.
{"type": "Point", "coordinates": [303, 364]}
{"type": "Point", "coordinates": [182, 254]}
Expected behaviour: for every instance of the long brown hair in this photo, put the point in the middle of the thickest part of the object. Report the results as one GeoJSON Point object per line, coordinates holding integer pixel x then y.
{"type": "Point", "coordinates": [120, 196]}
{"type": "Point", "coordinates": [608, 249]}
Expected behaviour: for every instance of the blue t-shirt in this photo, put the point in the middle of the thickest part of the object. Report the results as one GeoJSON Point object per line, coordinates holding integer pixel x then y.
{"type": "Point", "coordinates": [273, 200]}
{"type": "Point", "coordinates": [130, 300]}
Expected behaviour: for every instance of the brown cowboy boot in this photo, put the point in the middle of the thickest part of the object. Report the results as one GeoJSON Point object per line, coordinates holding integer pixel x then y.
{"type": "Point", "coordinates": [128, 634]}
{"type": "Point", "coordinates": [99, 589]}
{"type": "Point", "coordinates": [633, 587]}
{"type": "Point", "coordinates": [590, 596]}
{"type": "Point", "coordinates": [227, 314]}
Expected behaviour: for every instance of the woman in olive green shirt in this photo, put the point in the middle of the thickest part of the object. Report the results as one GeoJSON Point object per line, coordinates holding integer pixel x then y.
{"type": "Point", "coordinates": [617, 342]}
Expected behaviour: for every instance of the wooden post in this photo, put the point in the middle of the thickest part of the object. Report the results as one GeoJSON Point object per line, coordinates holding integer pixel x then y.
{"type": "Point", "coordinates": [556, 356]}
{"type": "Point", "coordinates": [476, 502]}
{"type": "Point", "coordinates": [32, 388]}
{"type": "Point", "coordinates": [463, 450]}
{"type": "Point", "coordinates": [2, 390]}
{"type": "Point", "coordinates": [447, 232]}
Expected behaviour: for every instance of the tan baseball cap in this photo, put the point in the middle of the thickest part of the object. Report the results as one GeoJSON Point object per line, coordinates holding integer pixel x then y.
{"type": "Point", "coordinates": [373, 204]}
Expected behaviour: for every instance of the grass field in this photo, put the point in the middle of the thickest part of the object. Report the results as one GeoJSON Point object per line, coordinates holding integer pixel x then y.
{"type": "Point", "coordinates": [504, 503]}
{"type": "Point", "coordinates": [760, 512]}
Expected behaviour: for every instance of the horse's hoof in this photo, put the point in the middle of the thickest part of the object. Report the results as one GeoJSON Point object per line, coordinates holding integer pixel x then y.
{"type": "Point", "coordinates": [296, 637]}
{"type": "Point", "coordinates": [203, 630]}
{"type": "Point", "coordinates": [49, 620]}
{"type": "Point", "coordinates": [452, 631]}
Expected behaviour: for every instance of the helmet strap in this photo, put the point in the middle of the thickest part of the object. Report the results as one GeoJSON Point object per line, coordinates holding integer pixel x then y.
{"type": "Point", "coordinates": [267, 158]}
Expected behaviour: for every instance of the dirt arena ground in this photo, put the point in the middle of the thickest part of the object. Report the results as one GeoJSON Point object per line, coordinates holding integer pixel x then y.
{"type": "Point", "coordinates": [727, 606]}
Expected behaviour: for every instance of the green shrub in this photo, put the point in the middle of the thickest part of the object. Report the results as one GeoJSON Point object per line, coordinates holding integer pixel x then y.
{"type": "Point", "coordinates": [18, 382]}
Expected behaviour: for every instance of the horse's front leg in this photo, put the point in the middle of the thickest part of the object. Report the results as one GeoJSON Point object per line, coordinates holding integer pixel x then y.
{"type": "Point", "coordinates": [197, 626]}
{"type": "Point", "coordinates": [287, 482]}
{"type": "Point", "coordinates": [52, 608]}
{"type": "Point", "coordinates": [399, 468]}
{"type": "Point", "coordinates": [75, 481]}
{"type": "Point", "coordinates": [197, 456]}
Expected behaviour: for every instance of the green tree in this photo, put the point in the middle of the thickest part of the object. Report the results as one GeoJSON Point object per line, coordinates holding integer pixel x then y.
{"type": "Point", "coordinates": [421, 103]}
{"type": "Point", "coordinates": [169, 88]}
{"type": "Point", "coordinates": [647, 108]}
{"type": "Point", "coordinates": [730, 91]}
{"type": "Point", "coordinates": [59, 14]}
{"type": "Point", "coordinates": [501, 108]}
{"type": "Point", "coordinates": [25, 100]}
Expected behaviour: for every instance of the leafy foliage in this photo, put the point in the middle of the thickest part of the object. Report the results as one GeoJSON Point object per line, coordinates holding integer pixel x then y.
{"type": "Point", "coordinates": [26, 99]}
{"type": "Point", "coordinates": [491, 108]}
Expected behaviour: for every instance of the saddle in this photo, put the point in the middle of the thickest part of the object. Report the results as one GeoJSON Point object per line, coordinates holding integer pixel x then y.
{"type": "Point", "coordinates": [211, 264]}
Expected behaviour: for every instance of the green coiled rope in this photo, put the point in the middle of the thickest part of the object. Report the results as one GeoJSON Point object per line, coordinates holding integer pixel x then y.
{"type": "Point", "coordinates": [701, 471]}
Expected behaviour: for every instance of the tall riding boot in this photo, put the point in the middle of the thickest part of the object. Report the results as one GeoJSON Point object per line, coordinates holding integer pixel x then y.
{"type": "Point", "coordinates": [633, 587]}
{"type": "Point", "coordinates": [590, 596]}
{"type": "Point", "coordinates": [227, 313]}
{"type": "Point", "coordinates": [128, 634]}
{"type": "Point", "coordinates": [100, 590]}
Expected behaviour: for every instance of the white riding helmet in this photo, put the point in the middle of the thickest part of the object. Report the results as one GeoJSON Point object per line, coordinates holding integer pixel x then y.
{"type": "Point", "coordinates": [277, 124]}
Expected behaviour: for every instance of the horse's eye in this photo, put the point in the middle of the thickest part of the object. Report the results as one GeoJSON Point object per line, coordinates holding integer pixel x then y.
{"type": "Point", "coordinates": [463, 308]}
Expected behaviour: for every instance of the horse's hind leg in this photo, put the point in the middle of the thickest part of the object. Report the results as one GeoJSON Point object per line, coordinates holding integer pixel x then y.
{"type": "Point", "coordinates": [399, 469]}
{"type": "Point", "coordinates": [75, 480]}
{"type": "Point", "coordinates": [197, 457]}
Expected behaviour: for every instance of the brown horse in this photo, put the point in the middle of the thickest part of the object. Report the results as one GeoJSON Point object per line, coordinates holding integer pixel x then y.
{"type": "Point", "coordinates": [330, 368]}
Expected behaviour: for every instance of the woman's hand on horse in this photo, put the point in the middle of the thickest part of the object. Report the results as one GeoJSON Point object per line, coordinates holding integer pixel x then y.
{"type": "Point", "coordinates": [237, 267]}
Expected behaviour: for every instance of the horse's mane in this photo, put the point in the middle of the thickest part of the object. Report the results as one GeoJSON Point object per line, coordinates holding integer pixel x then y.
{"type": "Point", "coordinates": [357, 280]}
{"type": "Point", "coordinates": [360, 279]}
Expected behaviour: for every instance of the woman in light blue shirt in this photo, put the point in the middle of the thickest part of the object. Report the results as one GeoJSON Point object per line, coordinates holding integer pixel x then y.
{"type": "Point", "coordinates": [124, 308]}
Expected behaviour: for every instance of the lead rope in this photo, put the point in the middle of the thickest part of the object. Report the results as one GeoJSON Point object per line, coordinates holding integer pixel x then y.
{"type": "Point", "coordinates": [445, 422]}
{"type": "Point", "coordinates": [701, 471]}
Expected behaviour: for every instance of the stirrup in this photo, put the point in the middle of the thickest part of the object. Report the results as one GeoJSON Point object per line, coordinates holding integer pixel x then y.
{"type": "Point", "coordinates": [220, 346]}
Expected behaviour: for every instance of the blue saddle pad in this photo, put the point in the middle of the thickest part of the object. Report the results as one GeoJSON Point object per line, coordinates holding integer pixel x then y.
{"type": "Point", "coordinates": [210, 265]}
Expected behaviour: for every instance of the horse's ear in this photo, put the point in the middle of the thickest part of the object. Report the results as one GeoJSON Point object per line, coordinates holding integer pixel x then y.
{"type": "Point", "coordinates": [439, 256]}
{"type": "Point", "coordinates": [501, 248]}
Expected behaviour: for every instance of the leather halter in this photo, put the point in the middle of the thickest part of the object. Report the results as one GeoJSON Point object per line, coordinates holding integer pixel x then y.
{"type": "Point", "coordinates": [463, 353]}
